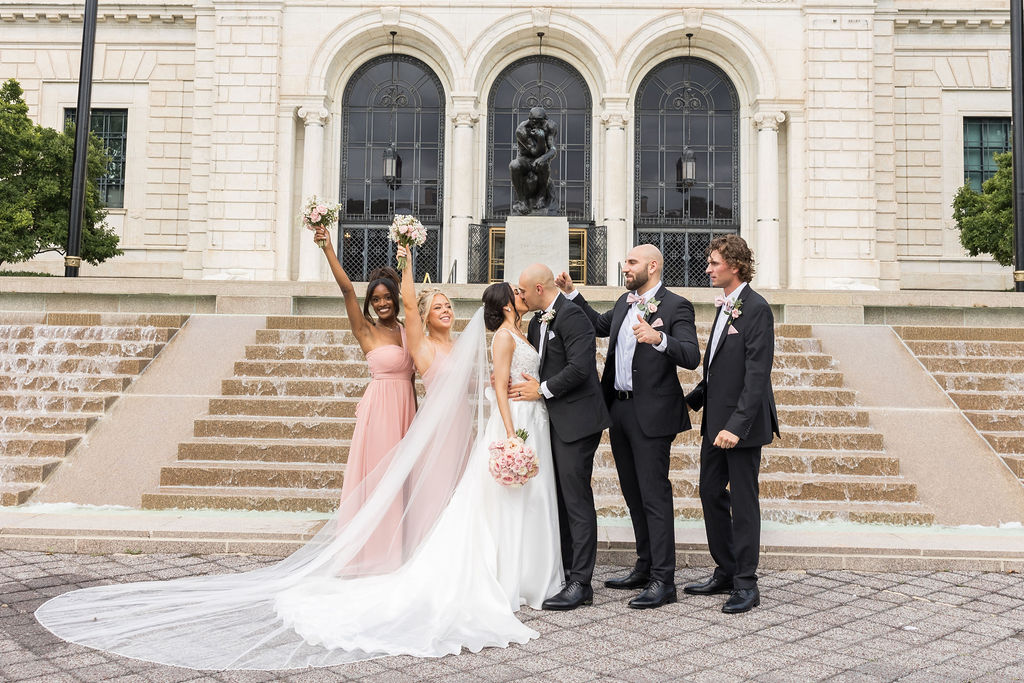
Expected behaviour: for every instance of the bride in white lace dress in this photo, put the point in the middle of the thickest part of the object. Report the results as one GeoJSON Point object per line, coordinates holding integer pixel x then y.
{"type": "Point", "coordinates": [473, 551]}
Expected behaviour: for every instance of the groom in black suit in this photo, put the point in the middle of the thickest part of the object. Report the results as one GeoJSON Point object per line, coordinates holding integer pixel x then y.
{"type": "Point", "coordinates": [650, 333]}
{"type": "Point", "coordinates": [739, 418]}
{"type": "Point", "coordinates": [570, 389]}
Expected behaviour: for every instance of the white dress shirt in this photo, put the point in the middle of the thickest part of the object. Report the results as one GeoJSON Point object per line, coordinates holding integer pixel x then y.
{"type": "Point", "coordinates": [543, 340]}
{"type": "Point", "coordinates": [625, 341]}
{"type": "Point", "coordinates": [721, 321]}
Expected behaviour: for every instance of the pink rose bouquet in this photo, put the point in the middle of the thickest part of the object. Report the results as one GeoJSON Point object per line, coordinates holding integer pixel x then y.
{"type": "Point", "coordinates": [406, 231]}
{"type": "Point", "coordinates": [319, 214]}
{"type": "Point", "coordinates": [512, 462]}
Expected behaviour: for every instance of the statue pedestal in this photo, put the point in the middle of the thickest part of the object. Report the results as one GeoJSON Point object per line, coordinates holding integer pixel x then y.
{"type": "Point", "coordinates": [535, 239]}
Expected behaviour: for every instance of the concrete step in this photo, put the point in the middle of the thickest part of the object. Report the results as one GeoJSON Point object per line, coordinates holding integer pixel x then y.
{"type": "Point", "coordinates": [285, 407]}
{"type": "Point", "coordinates": [1005, 442]}
{"type": "Point", "coordinates": [902, 514]}
{"type": "Point", "coordinates": [1015, 463]}
{"type": "Point", "coordinates": [193, 497]}
{"type": "Point", "coordinates": [37, 445]}
{"type": "Point", "coordinates": [65, 383]}
{"type": "Point", "coordinates": [248, 450]}
{"type": "Point", "coordinates": [92, 365]}
{"type": "Point", "coordinates": [960, 333]}
{"type": "Point", "coordinates": [45, 423]}
{"type": "Point", "coordinates": [94, 333]}
{"type": "Point", "coordinates": [991, 365]}
{"type": "Point", "coordinates": [822, 416]}
{"type": "Point", "coordinates": [40, 347]}
{"type": "Point", "coordinates": [290, 368]}
{"type": "Point", "coordinates": [997, 421]}
{"type": "Point", "coordinates": [58, 403]}
{"type": "Point", "coordinates": [969, 381]}
{"type": "Point", "coordinates": [26, 469]}
{"type": "Point", "coordinates": [172, 320]}
{"type": "Point", "coordinates": [809, 438]}
{"type": "Point", "coordinates": [814, 396]}
{"type": "Point", "coordinates": [317, 352]}
{"type": "Point", "coordinates": [16, 493]}
{"type": "Point", "coordinates": [962, 349]}
{"type": "Point", "coordinates": [803, 360]}
{"type": "Point", "coordinates": [275, 428]}
{"type": "Point", "coordinates": [253, 474]}
{"type": "Point", "coordinates": [988, 400]}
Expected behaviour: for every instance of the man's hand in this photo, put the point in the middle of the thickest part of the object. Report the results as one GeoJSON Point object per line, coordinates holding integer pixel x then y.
{"type": "Point", "coordinates": [726, 439]}
{"type": "Point", "coordinates": [525, 391]}
{"type": "Point", "coordinates": [564, 282]}
{"type": "Point", "coordinates": [645, 334]}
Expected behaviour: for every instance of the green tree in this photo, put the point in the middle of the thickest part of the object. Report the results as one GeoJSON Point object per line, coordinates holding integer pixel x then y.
{"type": "Point", "coordinates": [985, 220]}
{"type": "Point", "coordinates": [35, 187]}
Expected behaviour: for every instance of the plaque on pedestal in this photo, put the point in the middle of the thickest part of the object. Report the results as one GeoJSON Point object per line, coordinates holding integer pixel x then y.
{"type": "Point", "coordinates": [535, 239]}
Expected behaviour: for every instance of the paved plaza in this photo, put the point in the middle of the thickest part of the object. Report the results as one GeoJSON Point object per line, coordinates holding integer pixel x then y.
{"type": "Point", "coordinates": [812, 625]}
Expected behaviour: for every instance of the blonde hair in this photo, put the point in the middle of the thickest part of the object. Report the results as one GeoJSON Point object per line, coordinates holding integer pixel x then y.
{"type": "Point", "coordinates": [423, 303]}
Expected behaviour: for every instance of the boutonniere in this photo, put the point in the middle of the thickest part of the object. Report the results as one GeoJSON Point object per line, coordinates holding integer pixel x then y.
{"type": "Point", "coordinates": [733, 309]}
{"type": "Point", "coordinates": [647, 308]}
{"type": "Point", "coordinates": [548, 317]}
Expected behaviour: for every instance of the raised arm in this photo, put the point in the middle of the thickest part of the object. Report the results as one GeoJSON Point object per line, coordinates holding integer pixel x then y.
{"type": "Point", "coordinates": [421, 350]}
{"type": "Point", "coordinates": [503, 348]}
{"type": "Point", "coordinates": [602, 322]}
{"type": "Point", "coordinates": [362, 330]}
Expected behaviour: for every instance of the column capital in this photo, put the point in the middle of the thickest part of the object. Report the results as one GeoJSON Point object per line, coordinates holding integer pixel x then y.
{"type": "Point", "coordinates": [769, 120]}
{"type": "Point", "coordinates": [465, 117]}
{"type": "Point", "coordinates": [313, 115]}
{"type": "Point", "coordinates": [615, 118]}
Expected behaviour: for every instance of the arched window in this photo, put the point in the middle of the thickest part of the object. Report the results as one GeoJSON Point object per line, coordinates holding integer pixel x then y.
{"type": "Point", "coordinates": [392, 161]}
{"type": "Point", "coordinates": [687, 187]}
{"type": "Point", "coordinates": [563, 93]}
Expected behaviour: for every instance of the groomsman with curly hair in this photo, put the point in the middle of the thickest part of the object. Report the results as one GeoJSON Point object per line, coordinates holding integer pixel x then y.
{"type": "Point", "coordinates": [738, 418]}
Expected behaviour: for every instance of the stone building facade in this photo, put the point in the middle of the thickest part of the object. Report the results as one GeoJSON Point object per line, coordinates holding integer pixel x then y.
{"type": "Point", "coordinates": [829, 133]}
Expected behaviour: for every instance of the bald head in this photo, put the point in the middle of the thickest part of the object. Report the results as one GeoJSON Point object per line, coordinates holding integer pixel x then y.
{"type": "Point", "coordinates": [538, 285]}
{"type": "Point", "coordinates": [643, 266]}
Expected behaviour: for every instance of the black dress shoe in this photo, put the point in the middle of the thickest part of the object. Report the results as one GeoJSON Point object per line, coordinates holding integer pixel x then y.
{"type": "Point", "coordinates": [656, 594]}
{"type": "Point", "coordinates": [712, 586]}
{"type": "Point", "coordinates": [742, 600]}
{"type": "Point", "coordinates": [570, 597]}
{"type": "Point", "coordinates": [635, 579]}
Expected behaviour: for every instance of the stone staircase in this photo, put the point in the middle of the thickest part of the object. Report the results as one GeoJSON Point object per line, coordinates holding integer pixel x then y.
{"type": "Point", "coordinates": [277, 438]}
{"type": "Point", "coordinates": [982, 371]}
{"type": "Point", "coordinates": [59, 372]}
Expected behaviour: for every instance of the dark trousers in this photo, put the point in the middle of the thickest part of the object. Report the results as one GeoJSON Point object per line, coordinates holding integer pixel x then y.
{"type": "Point", "coordinates": [642, 463]}
{"type": "Point", "coordinates": [577, 517]}
{"type": "Point", "coordinates": [732, 518]}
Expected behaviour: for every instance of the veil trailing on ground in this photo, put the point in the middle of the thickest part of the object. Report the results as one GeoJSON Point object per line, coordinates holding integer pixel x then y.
{"type": "Point", "coordinates": [244, 621]}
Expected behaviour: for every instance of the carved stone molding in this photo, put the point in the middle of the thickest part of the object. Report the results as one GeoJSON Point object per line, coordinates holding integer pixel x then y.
{"type": "Point", "coordinates": [615, 119]}
{"type": "Point", "coordinates": [314, 116]}
{"type": "Point", "coordinates": [769, 120]}
{"type": "Point", "coordinates": [465, 118]}
{"type": "Point", "coordinates": [390, 15]}
{"type": "Point", "coordinates": [541, 16]}
{"type": "Point", "coordinates": [692, 17]}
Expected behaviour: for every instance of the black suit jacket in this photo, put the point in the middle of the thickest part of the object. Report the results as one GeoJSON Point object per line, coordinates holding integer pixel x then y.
{"type": "Point", "coordinates": [661, 410]}
{"type": "Point", "coordinates": [736, 392]}
{"type": "Point", "coordinates": [568, 364]}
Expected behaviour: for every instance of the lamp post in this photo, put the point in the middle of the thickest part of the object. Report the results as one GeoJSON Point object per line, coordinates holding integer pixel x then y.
{"type": "Point", "coordinates": [79, 176]}
{"type": "Point", "coordinates": [394, 98]}
{"type": "Point", "coordinates": [1017, 76]}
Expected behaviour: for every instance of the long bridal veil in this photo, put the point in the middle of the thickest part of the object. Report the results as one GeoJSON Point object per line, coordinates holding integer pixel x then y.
{"type": "Point", "coordinates": [237, 621]}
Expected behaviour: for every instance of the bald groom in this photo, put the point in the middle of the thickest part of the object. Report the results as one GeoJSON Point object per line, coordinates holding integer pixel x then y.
{"type": "Point", "coordinates": [650, 333]}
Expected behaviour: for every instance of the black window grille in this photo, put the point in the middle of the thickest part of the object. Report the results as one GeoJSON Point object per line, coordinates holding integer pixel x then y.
{"type": "Point", "coordinates": [379, 112]}
{"type": "Point", "coordinates": [984, 137]}
{"type": "Point", "coordinates": [686, 164]}
{"type": "Point", "coordinates": [111, 127]}
{"type": "Point", "coordinates": [564, 95]}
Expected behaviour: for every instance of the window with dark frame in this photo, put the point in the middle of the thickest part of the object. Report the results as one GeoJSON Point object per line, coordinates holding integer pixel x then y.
{"type": "Point", "coordinates": [111, 127]}
{"type": "Point", "coordinates": [984, 137]}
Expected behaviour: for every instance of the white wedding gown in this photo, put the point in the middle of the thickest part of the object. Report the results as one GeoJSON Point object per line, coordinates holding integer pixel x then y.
{"type": "Point", "coordinates": [471, 553]}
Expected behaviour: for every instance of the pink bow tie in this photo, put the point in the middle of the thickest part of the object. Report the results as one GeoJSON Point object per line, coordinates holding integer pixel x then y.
{"type": "Point", "coordinates": [632, 298]}
{"type": "Point", "coordinates": [720, 301]}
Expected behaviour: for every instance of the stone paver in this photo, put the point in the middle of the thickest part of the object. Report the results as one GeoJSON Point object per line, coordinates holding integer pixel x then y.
{"type": "Point", "coordinates": [812, 625]}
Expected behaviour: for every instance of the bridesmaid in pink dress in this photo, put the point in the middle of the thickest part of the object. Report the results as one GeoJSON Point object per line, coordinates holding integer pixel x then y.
{"type": "Point", "coordinates": [429, 319]}
{"type": "Point", "coordinates": [386, 409]}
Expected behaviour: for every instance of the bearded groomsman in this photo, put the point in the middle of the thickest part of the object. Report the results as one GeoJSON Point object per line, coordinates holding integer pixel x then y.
{"type": "Point", "coordinates": [739, 418]}
{"type": "Point", "coordinates": [650, 333]}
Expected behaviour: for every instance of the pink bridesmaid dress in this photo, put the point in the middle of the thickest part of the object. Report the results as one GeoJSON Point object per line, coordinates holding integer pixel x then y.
{"type": "Point", "coordinates": [382, 419]}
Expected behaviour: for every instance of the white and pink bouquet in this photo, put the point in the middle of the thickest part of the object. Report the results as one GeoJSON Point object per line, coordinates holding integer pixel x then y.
{"type": "Point", "coordinates": [407, 231]}
{"type": "Point", "coordinates": [319, 214]}
{"type": "Point", "coordinates": [512, 462]}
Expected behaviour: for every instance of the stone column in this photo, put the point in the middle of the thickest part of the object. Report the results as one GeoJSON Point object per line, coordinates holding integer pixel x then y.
{"type": "Point", "coordinates": [616, 181]}
{"type": "Point", "coordinates": [462, 186]}
{"type": "Point", "coordinates": [313, 118]}
{"type": "Point", "coordinates": [766, 251]}
{"type": "Point", "coordinates": [797, 197]}
{"type": "Point", "coordinates": [287, 215]}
